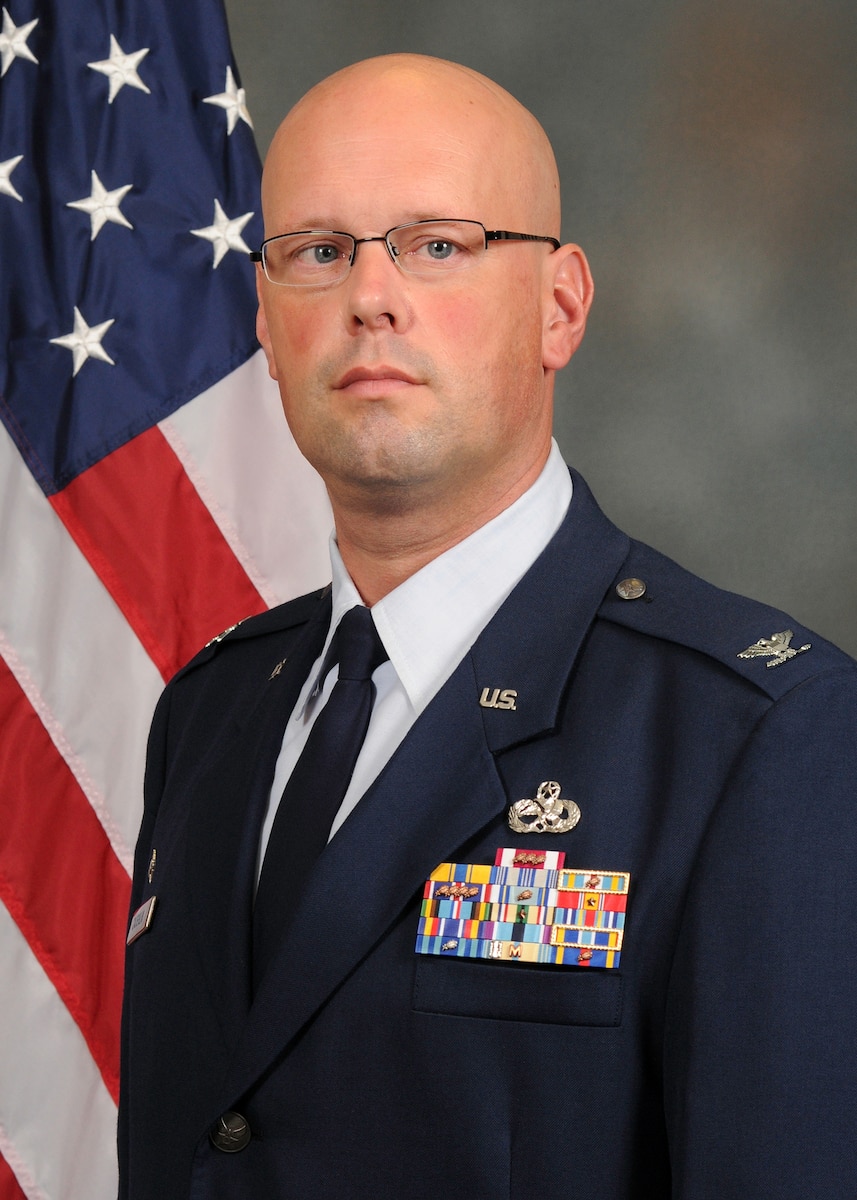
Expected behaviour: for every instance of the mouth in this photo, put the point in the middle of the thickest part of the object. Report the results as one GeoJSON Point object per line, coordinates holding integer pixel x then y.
{"type": "Point", "coordinates": [374, 381]}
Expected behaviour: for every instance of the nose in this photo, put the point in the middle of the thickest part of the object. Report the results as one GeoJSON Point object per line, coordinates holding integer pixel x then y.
{"type": "Point", "coordinates": [376, 289]}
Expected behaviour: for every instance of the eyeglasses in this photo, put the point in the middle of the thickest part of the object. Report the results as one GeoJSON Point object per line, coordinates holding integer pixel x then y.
{"type": "Point", "coordinates": [322, 258]}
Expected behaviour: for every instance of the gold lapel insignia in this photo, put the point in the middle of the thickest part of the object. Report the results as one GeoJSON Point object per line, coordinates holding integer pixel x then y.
{"type": "Point", "coordinates": [220, 636]}
{"type": "Point", "coordinates": [152, 861]}
{"type": "Point", "coordinates": [503, 698]}
{"type": "Point", "coordinates": [547, 813]}
{"type": "Point", "coordinates": [777, 647]}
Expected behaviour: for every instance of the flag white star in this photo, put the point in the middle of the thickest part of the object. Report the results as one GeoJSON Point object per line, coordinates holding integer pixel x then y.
{"type": "Point", "coordinates": [103, 206]}
{"type": "Point", "coordinates": [224, 234]}
{"type": "Point", "coordinates": [13, 42]}
{"type": "Point", "coordinates": [85, 341]}
{"type": "Point", "coordinates": [121, 68]}
{"type": "Point", "coordinates": [7, 187]}
{"type": "Point", "coordinates": [233, 100]}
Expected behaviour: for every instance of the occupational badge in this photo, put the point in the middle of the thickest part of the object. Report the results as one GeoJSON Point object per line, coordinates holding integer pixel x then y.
{"type": "Point", "coordinates": [547, 813]}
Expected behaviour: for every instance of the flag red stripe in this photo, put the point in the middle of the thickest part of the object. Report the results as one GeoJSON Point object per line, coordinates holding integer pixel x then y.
{"type": "Point", "coordinates": [157, 549]}
{"type": "Point", "coordinates": [9, 1187]}
{"type": "Point", "coordinates": [60, 879]}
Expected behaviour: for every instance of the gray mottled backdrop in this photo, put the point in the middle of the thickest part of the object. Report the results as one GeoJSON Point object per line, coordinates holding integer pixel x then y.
{"type": "Point", "coordinates": [709, 167]}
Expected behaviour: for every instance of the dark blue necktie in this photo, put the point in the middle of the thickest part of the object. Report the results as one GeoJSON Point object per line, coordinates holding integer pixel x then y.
{"type": "Point", "coordinates": [318, 783]}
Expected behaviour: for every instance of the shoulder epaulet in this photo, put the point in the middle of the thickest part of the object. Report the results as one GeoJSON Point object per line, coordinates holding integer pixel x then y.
{"type": "Point", "coordinates": [655, 596]}
{"type": "Point", "coordinates": [274, 620]}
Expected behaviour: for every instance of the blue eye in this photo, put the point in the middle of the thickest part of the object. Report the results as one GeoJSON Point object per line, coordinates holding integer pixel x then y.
{"type": "Point", "coordinates": [437, 244]}
{"type": "Point", "coordinates": [439, 250]}
{"type": "Point", "coordinates": [316, 254]}
{"type": "Point", "coordinates": [324, 255]}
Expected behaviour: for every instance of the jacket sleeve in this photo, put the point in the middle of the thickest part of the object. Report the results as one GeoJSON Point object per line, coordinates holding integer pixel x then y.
{"type": "Point", "coordinates": [761, 1042]}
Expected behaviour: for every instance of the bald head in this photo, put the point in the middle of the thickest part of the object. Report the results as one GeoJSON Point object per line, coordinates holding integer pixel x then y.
{"type": "Point", "coordinates": [460, 119]}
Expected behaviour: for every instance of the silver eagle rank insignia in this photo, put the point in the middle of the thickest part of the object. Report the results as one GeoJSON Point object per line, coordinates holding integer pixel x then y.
{"type": "Point", "coordinates": [777, 647]}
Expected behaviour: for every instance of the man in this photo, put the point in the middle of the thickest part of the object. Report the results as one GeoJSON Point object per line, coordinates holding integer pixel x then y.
{"type": "Point", "coordinates": [665, 1006]}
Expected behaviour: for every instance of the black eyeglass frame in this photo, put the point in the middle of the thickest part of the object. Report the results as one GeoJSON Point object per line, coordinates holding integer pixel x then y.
{"type": "Point", "coordinates": [490, 235]}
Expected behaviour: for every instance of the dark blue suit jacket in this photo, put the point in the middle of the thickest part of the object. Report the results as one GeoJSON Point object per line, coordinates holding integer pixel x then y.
{"type": "Point", "coordinates": [718, 1060]}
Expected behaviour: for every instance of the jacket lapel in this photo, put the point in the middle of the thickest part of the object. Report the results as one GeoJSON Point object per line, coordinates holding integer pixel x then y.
{"type": "Point", "coordinates": [437, 792]}
{"type": "Point", "coordinates": [227, 807]}
{"type": "Point", "coordinates": [532, 643]}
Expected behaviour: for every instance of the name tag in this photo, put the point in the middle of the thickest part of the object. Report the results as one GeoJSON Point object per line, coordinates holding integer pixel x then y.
{"type": "Point", "coordinates": [141, 920]}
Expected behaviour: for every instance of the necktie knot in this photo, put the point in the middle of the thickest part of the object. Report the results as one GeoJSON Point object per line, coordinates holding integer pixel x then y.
{"type": "Point", "coordinates": [359, 648]}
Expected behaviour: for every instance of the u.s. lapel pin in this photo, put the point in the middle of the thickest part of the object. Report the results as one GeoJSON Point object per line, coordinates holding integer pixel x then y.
{"type": "Point", "coordinates": [546, 813]}
{"type": "Point", "coordinates": [505, 699]}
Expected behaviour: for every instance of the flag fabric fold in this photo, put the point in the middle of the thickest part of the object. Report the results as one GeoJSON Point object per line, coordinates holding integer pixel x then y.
{"type": "Point", "coordinates": [150, 496]}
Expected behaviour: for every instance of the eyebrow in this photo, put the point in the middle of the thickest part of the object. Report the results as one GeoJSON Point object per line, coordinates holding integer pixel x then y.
{"type": "Point", "coordinates": [408, 219]}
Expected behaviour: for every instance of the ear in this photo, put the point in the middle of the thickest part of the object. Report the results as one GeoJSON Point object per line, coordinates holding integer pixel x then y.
{"type": "Point", "coordinates": [262, 332]}
{"type": "Point", "coordinates": [569, 291]}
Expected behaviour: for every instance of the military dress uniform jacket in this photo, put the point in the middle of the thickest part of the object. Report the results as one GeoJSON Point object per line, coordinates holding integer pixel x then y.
{"type": "Point", "coordinates": [716, 1062]}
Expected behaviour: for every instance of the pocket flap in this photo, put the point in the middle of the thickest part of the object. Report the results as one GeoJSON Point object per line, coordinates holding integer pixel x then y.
{"type": "Point", "coordinates": [469, 988]}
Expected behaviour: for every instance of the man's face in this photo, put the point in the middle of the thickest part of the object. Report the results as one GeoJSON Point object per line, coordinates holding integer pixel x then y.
{"type": "Point", "coordinates": [398, 389]}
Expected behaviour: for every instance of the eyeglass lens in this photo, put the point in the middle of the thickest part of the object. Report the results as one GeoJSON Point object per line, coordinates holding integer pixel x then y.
{"type": "Point", "coordinates": [320, 258]}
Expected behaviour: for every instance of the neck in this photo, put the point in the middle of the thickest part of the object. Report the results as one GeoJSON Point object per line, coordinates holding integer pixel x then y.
{"type": "Point", "coordinates": [383, 543]}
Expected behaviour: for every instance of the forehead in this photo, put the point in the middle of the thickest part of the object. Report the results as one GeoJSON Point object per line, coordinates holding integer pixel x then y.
{"type": "Point", "coordinates": [366, 154]}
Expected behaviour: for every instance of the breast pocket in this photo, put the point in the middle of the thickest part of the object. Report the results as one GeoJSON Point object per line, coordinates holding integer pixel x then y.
{"type": "Point", "coordinates": [550, 995]}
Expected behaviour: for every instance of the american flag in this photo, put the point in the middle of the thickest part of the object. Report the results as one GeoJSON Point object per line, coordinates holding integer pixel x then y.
{"type": "Point", "coordinates": [150, 496]}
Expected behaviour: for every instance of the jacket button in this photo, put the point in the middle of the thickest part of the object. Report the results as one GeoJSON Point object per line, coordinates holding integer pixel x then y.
{"type": "Point", "coordinates": [231, 1133]}
{"type": "Point", "coordinates": [631, 589]}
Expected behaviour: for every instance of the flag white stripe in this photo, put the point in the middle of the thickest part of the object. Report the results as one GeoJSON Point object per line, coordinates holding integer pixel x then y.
{"type": "Point", "coordinates": [57, 1117]}
{"type": "Point", "coordinates": [269, 503]}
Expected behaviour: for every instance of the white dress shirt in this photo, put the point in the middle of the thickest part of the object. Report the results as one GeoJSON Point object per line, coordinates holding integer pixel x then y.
{"type": "Point", "coordinates": [427, 625]}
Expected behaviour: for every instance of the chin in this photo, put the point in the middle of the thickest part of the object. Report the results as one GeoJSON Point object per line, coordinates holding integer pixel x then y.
{"type": "Point", "coordinates": [386, 457]}
{"type": "Point", "coordinates": [384, 484]}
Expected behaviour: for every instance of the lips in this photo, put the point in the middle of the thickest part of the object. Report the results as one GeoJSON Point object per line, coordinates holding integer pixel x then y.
{"type": "Point", "coordinates": [380, 374]}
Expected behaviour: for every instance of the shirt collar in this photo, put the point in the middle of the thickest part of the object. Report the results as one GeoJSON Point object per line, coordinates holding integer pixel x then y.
{"type": "Point", "coordinates": [429, 622]}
